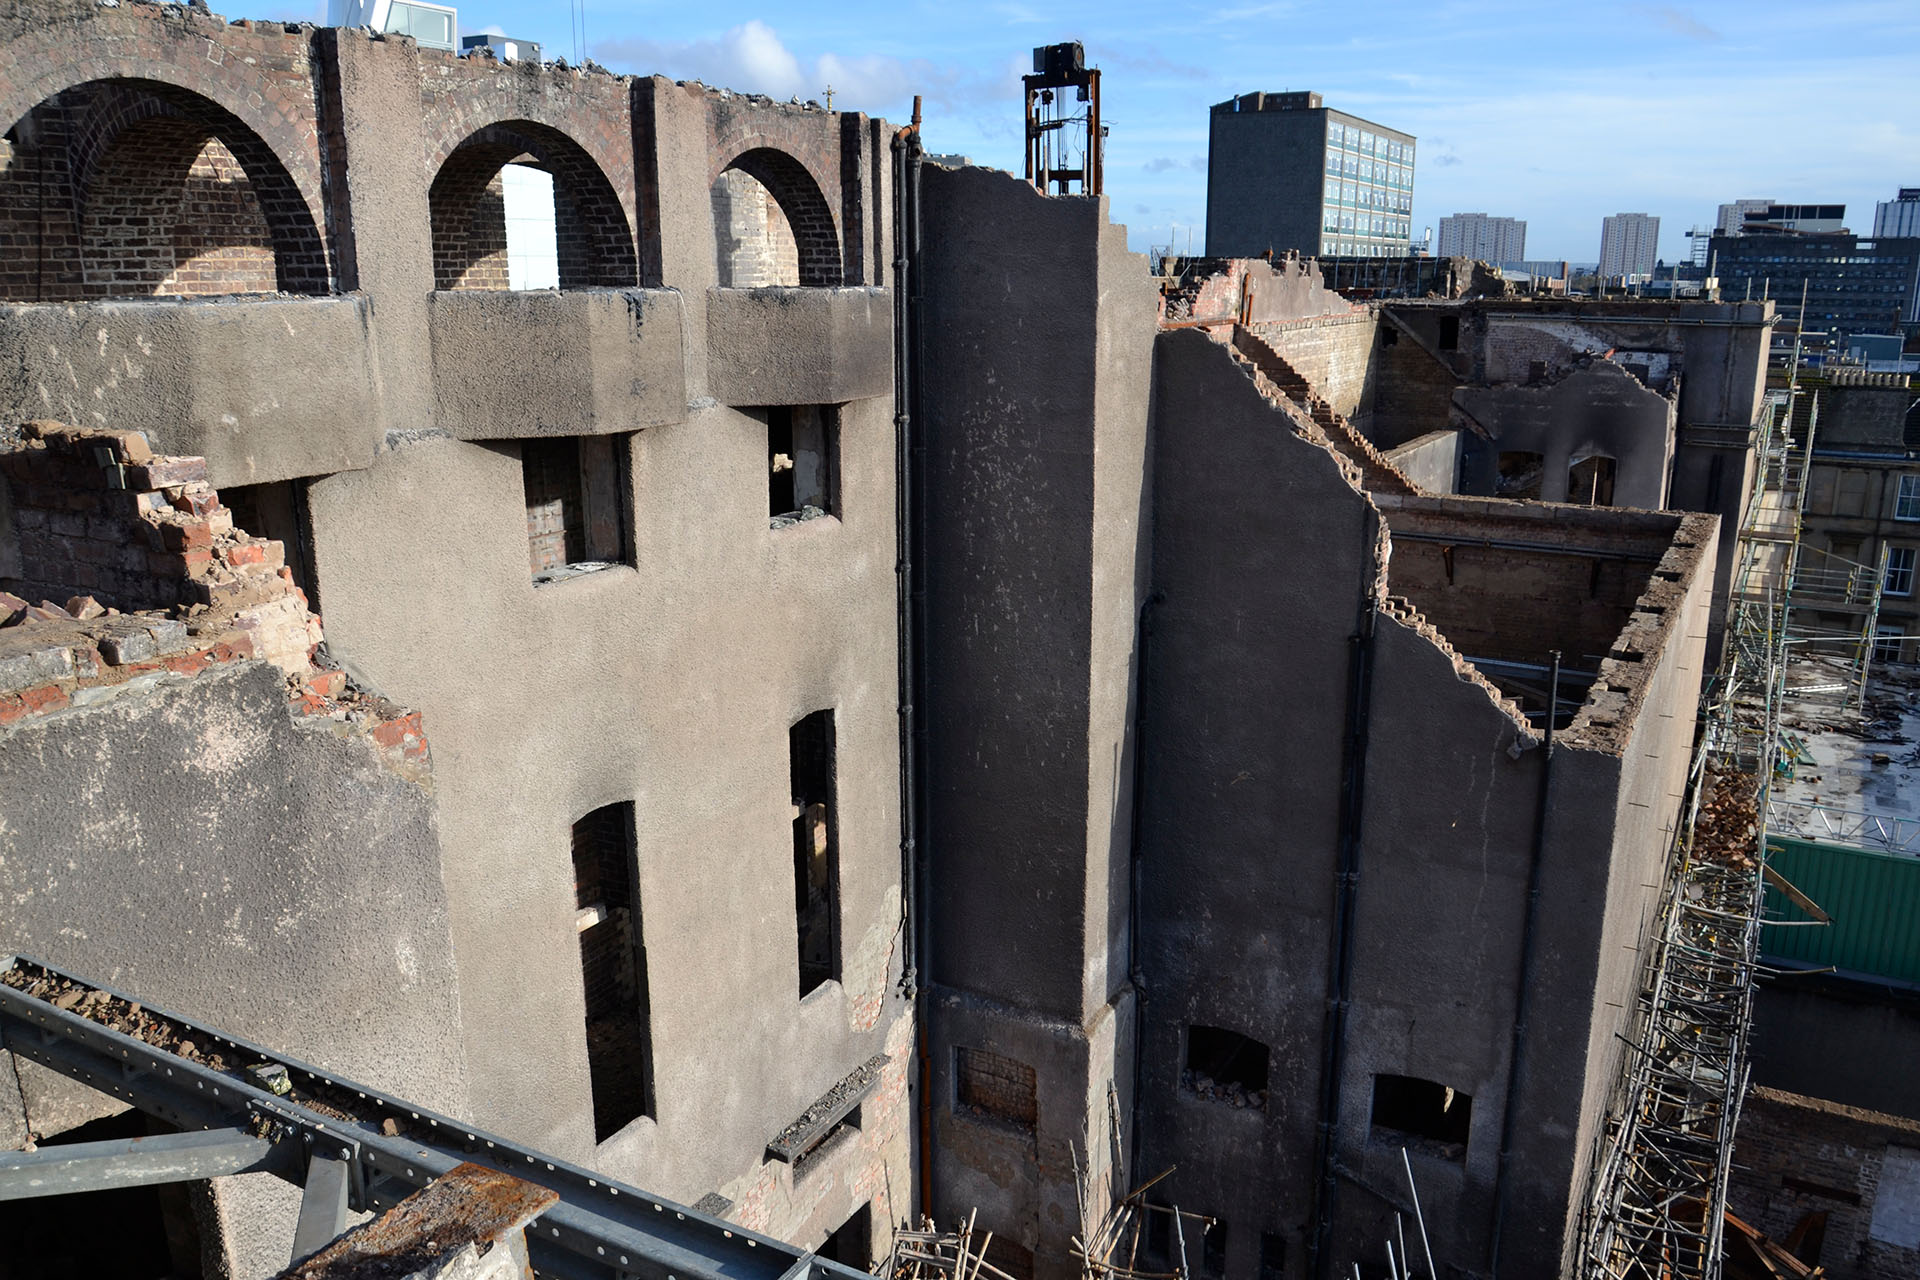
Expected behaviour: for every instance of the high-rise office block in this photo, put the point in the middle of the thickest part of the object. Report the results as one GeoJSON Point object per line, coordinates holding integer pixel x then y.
{"type": "Point", "coordinates": [1489, 239]}
{"type": "Point", "coordinates": [1629, 245]}
{"type": "Point", "coordinates": [1899, 216]}
{"type": "Point", "coordinates": [1285, 172]}
{"type": "Point", "coordinates": [1733, 215]}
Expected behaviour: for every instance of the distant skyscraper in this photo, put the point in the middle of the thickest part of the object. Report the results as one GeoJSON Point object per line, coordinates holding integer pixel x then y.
{"type": "Point", "coordinates": [1476, 235]}
{"type": "Point", "coordinates": [1899, 216]}
{"type": "Point", "coordinates": [1734, 216]}
{"type": "Point", "coordinates": [1284, 172]}
{"type": "Point", "coordinates": [1629, 245]}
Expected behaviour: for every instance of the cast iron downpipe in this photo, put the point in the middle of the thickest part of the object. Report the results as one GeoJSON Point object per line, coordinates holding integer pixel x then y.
{"type": "Point", "coordinates": [1143, 635]}
{"type": "Point", "coordinates": [1333, 1046]}
{"type": "Point", "coordinates": [1523, 997]}
{"type": "Point", "coordinates": [909, 481]}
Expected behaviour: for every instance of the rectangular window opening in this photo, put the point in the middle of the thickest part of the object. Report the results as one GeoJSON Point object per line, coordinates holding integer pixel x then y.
{"type": "Point", "coordinates": [1421, 1114]}
{"type": "Point", "coordinates": [1273, 1256]}
{"type": "Point", "coordinates": [278, 511]}
{"type": "Point", "coordinates": [576, 490]}
{"type": "Point", "coordinates": [1449, 333]}
{"type": "Point", "coordinates": [1213, 1250]}
{"type": "Point", "coordinates": [1888, 641]}
{"type": "Point", "coordinates": [613, 968]}
{"type": "Point", "coordinates": [816, 852]}
{"type": "Point", "coordinates": [992, 1087]}
{"type": "Point", "coordinates": [851, 1244]}
{"type": "Point", "coordinates": [803, 462]}
{"type": "Point", "coordinates": [1225, 1066]}
{"type": "Point", "coordinates": [1590, 480]}
{"type": "Point", "coordinates": [1521, 475]}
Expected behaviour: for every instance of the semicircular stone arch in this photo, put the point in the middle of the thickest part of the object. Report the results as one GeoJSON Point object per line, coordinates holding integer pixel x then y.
{"type": "Point", "coordinates": [137, 187]}
{"type": "Point", "coordinates": [772, 225]}
{"type": "Point", "coordinates": [593, 238]}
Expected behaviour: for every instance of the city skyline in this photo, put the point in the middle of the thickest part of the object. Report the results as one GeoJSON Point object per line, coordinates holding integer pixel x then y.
{"type": "Point", "coordinates": [1672, 84]}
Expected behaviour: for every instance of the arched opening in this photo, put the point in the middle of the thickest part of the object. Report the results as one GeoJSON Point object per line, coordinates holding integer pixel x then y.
{"type": "Point", "coordinates": [771, 225]}
{"type": "Point", "coordinates": [521, 206]}
{"type": "Point", "coordinates": [118, 188]}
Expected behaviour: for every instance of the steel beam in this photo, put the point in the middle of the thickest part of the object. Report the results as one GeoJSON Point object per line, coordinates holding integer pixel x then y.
{"type": "Point", "coordinates": [323, 1205]}
{"type": "Point", "coordinates": [131, 1162]}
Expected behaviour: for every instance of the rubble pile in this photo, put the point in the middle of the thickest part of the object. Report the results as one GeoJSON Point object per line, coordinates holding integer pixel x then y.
{"type": "Point", "coordinates": [126, 569]}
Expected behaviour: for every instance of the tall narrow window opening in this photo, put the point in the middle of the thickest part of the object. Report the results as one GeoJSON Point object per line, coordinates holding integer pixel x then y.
{"type": "Point", "coordinates": [1273, 1256]}
{"type": "Point", "coordinates": [803, 448]}
{"type": "Point", "coordinates": [576, 504]}
{"type": "Point", "coordinates": [1900, 561]}
{"type": "Point", "coordinates": [816, 854]}
{"type": "Point", "coordinates": [1449, 333]}
{"type": "Point", "coordinates": [613, 968]}
{"type": "Point", "coordinates": [1213, 1250]}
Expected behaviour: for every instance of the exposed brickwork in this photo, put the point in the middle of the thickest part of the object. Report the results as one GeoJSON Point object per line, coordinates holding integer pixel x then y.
{"type": "Point", "coordinates": [1797, 1156]}
{"type": "Point", "coordinates": [795, 212]}
{"type": "Point", "coordinates": [469, 226]}
{"type": "Point", "coordinates": [1381, 475]}
{"type": "Point", "coordinates": [995, 1087]}
{"type": "Point", "coordinates": [86, 83]}
{"type": "Point", "coordinates": [1334, 353]}
{"type": "Point", "coordinates": [591, 231]}
{"type": "Point", "coordinates": [138, 571]}
{"type": "Point", "coordinates": [92, 97]}
{"type": "Point", "coordinates": [864, 1166]}
{"type": "Point", "coordinates": [576, 124]}
{"type": "Point", "coordinates": [752, 238]}
{"type": "Point", "coordinates": [798, 154]}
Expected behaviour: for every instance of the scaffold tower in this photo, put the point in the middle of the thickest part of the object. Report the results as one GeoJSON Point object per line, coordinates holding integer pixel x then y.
{"type": "Point", "coordinates": [1658, 1197]}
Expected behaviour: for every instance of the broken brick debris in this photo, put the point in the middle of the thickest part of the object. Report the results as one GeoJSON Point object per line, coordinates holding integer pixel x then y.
{"type": "Point", "coordinates": [157, 580]}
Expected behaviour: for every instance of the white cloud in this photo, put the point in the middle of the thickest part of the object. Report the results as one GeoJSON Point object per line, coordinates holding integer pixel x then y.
{"type": "Point", "coordinates": [751, 58]}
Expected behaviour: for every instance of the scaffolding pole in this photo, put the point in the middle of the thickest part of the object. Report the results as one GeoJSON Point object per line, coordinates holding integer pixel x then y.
{"type": "Point", "coordinates": [1658, 1198]}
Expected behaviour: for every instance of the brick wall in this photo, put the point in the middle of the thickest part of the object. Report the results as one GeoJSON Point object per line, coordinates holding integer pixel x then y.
{"type": "Point", "coordinates": [112, 190]}
{"type": "Point", "coordinates": [996, 1087]}
{"type": "Point", "coordinates": [1333, 353]}
{"type": "Point", "coordinates": [469, 229]}
{"type": "Point", "coordinates": [1796, 1156]}
{"type": "Point", "coordinates": [753, 240]}
{"type": "Point", "coordinates": [89, 92]}
{"type": "Point", "coordinates": [1516, 605]}
{"type": "Point", "coordinates": [119, 565]}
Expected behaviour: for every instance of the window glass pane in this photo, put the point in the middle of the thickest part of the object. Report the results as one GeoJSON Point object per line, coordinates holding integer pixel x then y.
{"type": "Point", "coordinates": [1900, 571]}
{"type": "Point", "coordinates": [1908, 505]}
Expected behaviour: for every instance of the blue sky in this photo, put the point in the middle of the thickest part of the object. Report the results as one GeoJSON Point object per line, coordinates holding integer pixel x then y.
{"type": "Point", "coordinates": [1558, 114]}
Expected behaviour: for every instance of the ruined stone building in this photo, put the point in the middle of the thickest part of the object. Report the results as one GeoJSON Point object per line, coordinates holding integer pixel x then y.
{"type": "Point", "coordinates": [624, 714]}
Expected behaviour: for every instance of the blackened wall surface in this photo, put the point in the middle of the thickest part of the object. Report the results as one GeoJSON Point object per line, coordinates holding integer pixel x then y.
{"type": "Point", "coordinates": [1035, 483]}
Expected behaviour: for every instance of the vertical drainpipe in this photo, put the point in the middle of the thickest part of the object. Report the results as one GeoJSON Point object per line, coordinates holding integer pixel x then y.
{"type": "Point", "coordinates": [1522, 1000]}
{"type": "Point", "coordinates": [1333, 1049]}
{"type": "Point", "coordinates": [910, 593]}
{"type": "Point", "coordinates": [1136, 976]}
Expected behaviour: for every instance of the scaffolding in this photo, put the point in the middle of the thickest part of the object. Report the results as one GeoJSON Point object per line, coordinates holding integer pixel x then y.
{"type": "Point", "coordinates": [1658, 1202]}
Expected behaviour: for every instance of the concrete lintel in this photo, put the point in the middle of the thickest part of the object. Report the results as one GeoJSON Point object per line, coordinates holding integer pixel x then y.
{"type": "Point", "coordinates": [828, 1110]}
{"type": "Point", "coordinates": [512, 365]}
{"type": "Point", "coordinates": [799, 346]}
{"type": "Point", "coordinates": [264, 388]}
